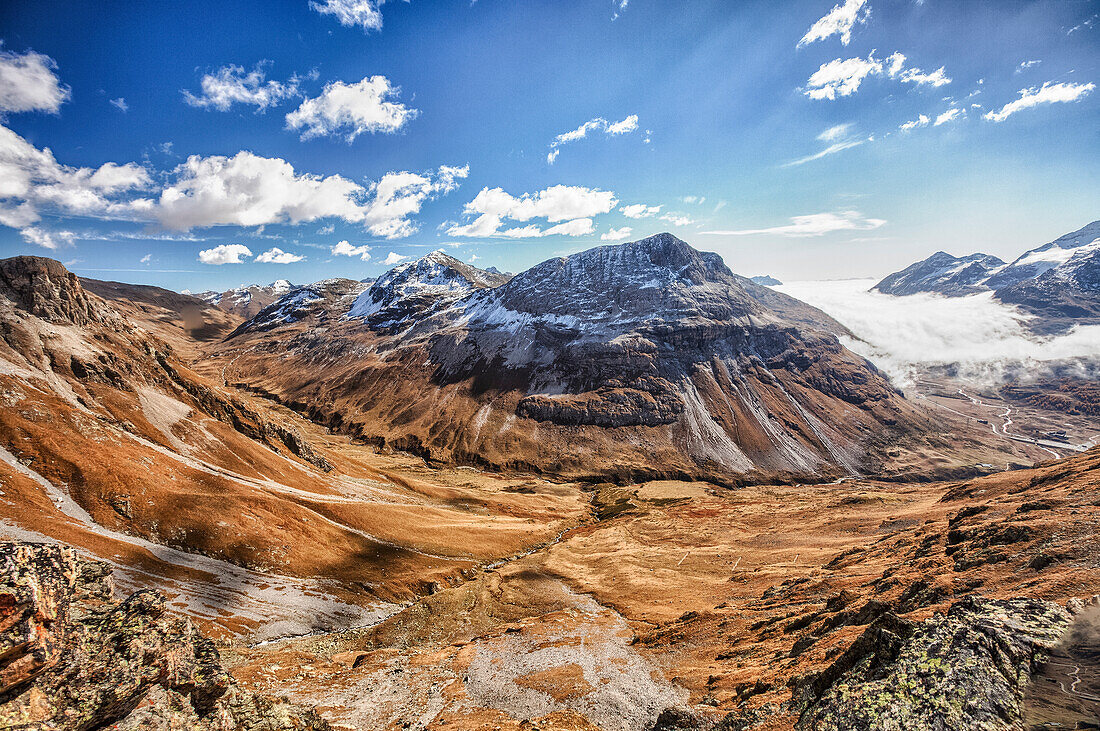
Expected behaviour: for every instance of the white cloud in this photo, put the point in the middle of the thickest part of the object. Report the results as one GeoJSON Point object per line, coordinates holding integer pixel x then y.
{"type": "Point", "coordinates": [47, 239]}
{"type": "Point", "coordinates": [838, 21]}
{"type": "Point", "coordinates": [1026, 65]}
{"type": "Point", "coordinates": [677, 219]}
{"type": "Point", "coordinates": [28, 83]}
{"type": "Point", "coordinates": [918, 77]}
{"type": "Point", "coordinates": [146, 259]}
{"type": "Point", "coordinates": [231, 85]}
{"type": "Point", "coordinates": [362, 13]}
{"type": "Point", "coordinates": [249, 190]}
{"type": "Point", "coordinates": [343, 248]}
{"type": "Point", "coordinates": [639, 210]}
{"type": "Point", "coordinates": [31, 181]}
{"type": "Point", "coordinates": [276, 255]}
{"type": "Point", "coordinates": [830, 150]}
{"type": "Point", "coordinates": [351, 109]}
{"type": "Point", "coordinates": [839, 78]}
{"type": "Point", "coordinates": [573, 205]}
{"type": "Point", "coordinates": [900, 334]}
{"type": "Point", "coordinates": [622, 127]}
{"type": "Point", "coordinates": [815, 224]}
{"type": "Point", "coordinates": [120, 104]}
{"type": "Point", "coordinates": [325, 230]}
{"type": "Point", "coordinates": [394, 258]}
{"type": "Point", "coordinates": [921, 121]}
{"type": "Point", "coordinates": [950, 114]}
{"type": "Point", "coordinates": [617, 234]}
{"type": "Point", "coordinates": [1049, 93]}
{"type": "Point", "coordinates": [224, 254]}
{"type": "Point", "coordinates": [693, 199]}
{"type": "Point", "coordinates": [835, 133]}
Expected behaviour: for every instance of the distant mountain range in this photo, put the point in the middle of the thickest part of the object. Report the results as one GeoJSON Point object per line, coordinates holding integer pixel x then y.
{"type": "Point", "coordinates": [644, 358]}
{"type": "Point", "coordinates": [1058, 282]}
{"type": "Point", "coordinates": [765, 280]}
{"type": "Point", "coordinates": [246, 300]}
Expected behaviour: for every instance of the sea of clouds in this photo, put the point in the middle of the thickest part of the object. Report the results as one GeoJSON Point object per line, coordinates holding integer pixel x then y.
{"type": "Point", "coordinates": [976, 337]}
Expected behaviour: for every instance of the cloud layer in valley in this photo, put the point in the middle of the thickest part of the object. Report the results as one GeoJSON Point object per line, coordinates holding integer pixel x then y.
{"type": "Point", "coordinates": [902, 334]}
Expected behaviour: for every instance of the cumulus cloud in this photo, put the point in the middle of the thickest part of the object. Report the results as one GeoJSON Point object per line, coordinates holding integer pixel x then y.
{"type": "Point", "coordinates": [1049, 93]}
{"type": "Point", "coordinates": [815, 224]}
{"type": "Point", "coordinates": [349, 110]}
{"type": "Point", "coordinates": [351, 13]}
{"type": "Point", "coordinates": [46, 238]}
{"type": "Point", "coordinates": [28, 83]}
{"type": "Point", "coordinates": [571, 207]}
{"type": "Point", "coordinates": [839, 21]}
{"type": "Point", "coordinates": [243, 190]}
{"type": "Point", "coordinates": [843, 77]}
{"type": "Point", "coordinates": [146, 259]}
{"type": "Point", "coordinates": [231, 85]}
{"type": "Point", "coordinates": [249, 190]}
{"type": "Point", "coordinates": [617, 234]}
{"type": "Point", "coordinates": [622, 127]}
{"type": "Point", "coordinates": [32, 181]}
{"type": "Point", "coordinates": [275, 255]}
{"type": "Point", "coordinates": [921, 121]}
{"type": "Point", "coordinates": [344, 248]}
{"type": "Point", "coordinates": [639, 210]}
{"type": "Point", "coordinates": [224, 254]}
{"type": "Point", "coordinates": [903, 334]}
{"type": "Point", "coordinates": [394, 258]}
{"type": "Point", "coordinates": [950, 114]}
{"type": "Point", "coordinates": [1024, 65]}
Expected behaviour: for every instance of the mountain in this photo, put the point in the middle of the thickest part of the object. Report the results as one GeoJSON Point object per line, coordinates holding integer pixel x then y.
{"type": "Point", "coordinates": [944, 274]}
{"type": "Point", "coordinates": [1038, 261]}
{"type": "Point", "coordinates": [131, 447]}
{"type": "Point", "coordinates": [415, 289]}
{"type": "Point", "coordinates": [765, 280]}
{"type": "Point", "coordinates": [247, 300]}
{"type": "Point", "coordinates": [1055, 283]}
{"type": "Point", "coordinates": [644, 358]}
{"type": "Point", "coordinates": [1064, 295]}
{"type": "Point", "coordinates": [185, 321]}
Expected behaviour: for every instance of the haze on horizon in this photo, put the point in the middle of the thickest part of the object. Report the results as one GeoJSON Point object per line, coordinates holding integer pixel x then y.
{"type": "Point", "coordinates": [207, 145]}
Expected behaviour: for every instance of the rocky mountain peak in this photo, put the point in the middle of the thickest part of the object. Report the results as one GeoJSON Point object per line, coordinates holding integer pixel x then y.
{"type": "Point", "coordinates": [45, 288]}
{"type": "Point", "coordinates": [658, 277]}
{"type": "Point", "coordinates": [417, 288]}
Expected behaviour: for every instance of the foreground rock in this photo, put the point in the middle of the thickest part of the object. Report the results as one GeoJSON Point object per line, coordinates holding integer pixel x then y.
{"type": "Point", "coordinates": [966, 669]}
{"type": "Point", "coordinates": [72, 657]}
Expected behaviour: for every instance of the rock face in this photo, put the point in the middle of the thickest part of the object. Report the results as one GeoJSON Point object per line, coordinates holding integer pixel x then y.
{"type": "Point", "coordinates": [645, 358]}
{"type": "Point", "coordinates": [46, 289]}
{"type": "Point", "coordinates": [966, 669]}
{"type": "Point", "coordinates": [72, 657]}
{"type": "Point", "coordinates": [944, 274]}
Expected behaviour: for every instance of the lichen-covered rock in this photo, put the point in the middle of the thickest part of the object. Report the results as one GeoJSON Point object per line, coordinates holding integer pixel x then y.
{"type": "Point", "coordinates": [966, 669]}
{"type": "Point", "coordinates": [72, 658]}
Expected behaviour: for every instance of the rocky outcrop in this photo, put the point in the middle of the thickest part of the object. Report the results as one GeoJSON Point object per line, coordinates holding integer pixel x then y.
{"type": "Point", "coordinates": [965, 669]}
{"type": "Point", "coordinates": [46, 289]}
{"type": "Point", "coordinates": [74, 658]}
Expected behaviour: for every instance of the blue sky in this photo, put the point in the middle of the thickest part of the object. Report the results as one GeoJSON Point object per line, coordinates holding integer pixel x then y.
{"type": "Point", "coordinates": [804, 139]}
